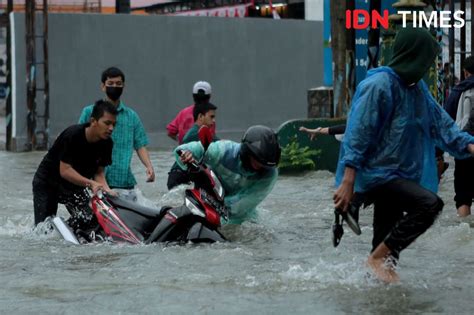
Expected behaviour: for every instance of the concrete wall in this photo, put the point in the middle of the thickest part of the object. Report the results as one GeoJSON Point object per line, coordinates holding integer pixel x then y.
{"type": "Point", "coordinates": [314, 10]}
{"type": "Point", "coordinates": [259, 69]}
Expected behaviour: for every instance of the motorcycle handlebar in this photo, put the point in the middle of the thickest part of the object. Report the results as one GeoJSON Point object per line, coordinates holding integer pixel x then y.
{"type": "Point", "coordinates": [193, 166]}
{"type": "Point", "coordinates": [100, 193]}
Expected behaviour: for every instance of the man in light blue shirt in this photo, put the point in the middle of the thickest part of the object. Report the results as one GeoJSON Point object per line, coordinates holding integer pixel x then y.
{"type": "Point", "coordinates": [129, 134]}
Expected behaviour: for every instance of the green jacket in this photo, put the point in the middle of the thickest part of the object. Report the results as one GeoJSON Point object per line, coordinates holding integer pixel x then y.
{"type": "Point", "coordinates": [245, 190]}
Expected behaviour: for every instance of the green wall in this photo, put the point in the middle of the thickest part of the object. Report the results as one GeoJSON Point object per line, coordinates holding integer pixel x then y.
{"type": "Point", "coordinates": [328, 145]}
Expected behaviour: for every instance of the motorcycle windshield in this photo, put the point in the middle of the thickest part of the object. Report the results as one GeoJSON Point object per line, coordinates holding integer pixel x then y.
{"type": "Point", "coordinates": [111, 223]}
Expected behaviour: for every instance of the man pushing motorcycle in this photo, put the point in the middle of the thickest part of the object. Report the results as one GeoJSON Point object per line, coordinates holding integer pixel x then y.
{"type": "Point", "coordinates": [75, 161]}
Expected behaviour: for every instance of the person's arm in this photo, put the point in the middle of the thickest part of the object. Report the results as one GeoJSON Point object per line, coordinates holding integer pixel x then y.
{"type": "Point", "coordinates": [71, 175]}
{"type": "Point", "coordinates": [139, 143]}
{"type": "Point", "coordinates": [195, 150]}
{"type": "Point", "coordinates": [344, 192]}
{"type": "Point", "coordinates": [68, 150]}
{"type": "Point", "coordinates": [370, 107]}
{"type": "Point", "coordinates": [446, 133]}
{"type": "Point", "coordinates": [337, 130]}
{"type": "Point", "coordinates": [174, 137]}
{"type": "Point", "coordinates": [333, 130]}
{"type": "Point", "coordinates": [314, 132]}
{"type": "Point", "coordinates": [145, 159]}
{"type": "Point", "coordinates": [172, 128]}
{"type": "Point", "coordinates": [100, 178]}
{"type": "Point", "coordinates": [192, 150]}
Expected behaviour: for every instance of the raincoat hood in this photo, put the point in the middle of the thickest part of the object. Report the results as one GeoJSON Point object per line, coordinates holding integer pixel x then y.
{"type": "Point", "coordinates": [414, 51]}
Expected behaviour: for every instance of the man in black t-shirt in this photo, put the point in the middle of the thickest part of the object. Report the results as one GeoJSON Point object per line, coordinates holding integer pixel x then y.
{"type": "Point", "coordinates": [76, 160]}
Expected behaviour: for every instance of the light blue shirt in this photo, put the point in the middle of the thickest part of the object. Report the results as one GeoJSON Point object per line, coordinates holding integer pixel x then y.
{"type": "Point", "coordinates": [128, 135]}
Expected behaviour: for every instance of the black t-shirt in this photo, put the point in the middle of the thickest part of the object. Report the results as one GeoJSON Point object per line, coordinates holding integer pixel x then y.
{"type": "Point", "coordinates": [71, 147]}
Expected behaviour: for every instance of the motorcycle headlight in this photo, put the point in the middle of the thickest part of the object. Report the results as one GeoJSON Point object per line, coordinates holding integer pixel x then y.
{"type": "Point", "coordinates": [218, 189]}
{"type": "Point", "coordinates": [193, 208]}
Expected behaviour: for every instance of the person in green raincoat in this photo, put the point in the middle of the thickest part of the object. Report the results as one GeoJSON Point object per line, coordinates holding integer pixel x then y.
{"type": "Point", "coordinates": [247, 170]}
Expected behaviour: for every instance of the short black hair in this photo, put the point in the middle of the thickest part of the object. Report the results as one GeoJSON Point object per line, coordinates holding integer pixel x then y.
{"type": "Point", "coordinates": [112, 72]}
{"type": "Point", "coordinates": [201, 98]}
{"type": "Point", "coordinates": [102, 106]}
{"type": "Point", "coordinates": [202, 108]}
{"type": "Point", "coordinates": [469, 64]}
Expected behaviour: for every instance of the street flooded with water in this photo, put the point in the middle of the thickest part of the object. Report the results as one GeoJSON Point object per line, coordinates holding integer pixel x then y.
{"type": "Point", "coordinates": [283, 264]}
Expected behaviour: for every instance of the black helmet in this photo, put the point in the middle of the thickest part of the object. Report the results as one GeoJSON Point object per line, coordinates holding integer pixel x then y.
{"type": "Point", "coordinates": [261, 143]}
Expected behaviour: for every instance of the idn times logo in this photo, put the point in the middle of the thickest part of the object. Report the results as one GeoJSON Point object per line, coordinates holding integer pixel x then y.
{"type": "Point", "coordinates": [362, 19]}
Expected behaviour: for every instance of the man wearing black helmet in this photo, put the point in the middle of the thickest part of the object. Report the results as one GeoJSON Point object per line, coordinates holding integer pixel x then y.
{"type": "Point", "coordinates": [247, 170]}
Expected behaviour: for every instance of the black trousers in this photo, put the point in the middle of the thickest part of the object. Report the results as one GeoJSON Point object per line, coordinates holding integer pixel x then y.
{"type": "Point", "coordinates": [463, 182]}
{"type": "Point", "coordinates": [403, 210]}
{"type": "Point", "coordinates": [46, 198]}
{"type": "Point", "coordinates": [177, 177]}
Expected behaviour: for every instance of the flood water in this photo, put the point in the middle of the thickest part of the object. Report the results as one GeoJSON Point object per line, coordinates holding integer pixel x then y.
{"type": "Point", "coordinates": [284, 264]}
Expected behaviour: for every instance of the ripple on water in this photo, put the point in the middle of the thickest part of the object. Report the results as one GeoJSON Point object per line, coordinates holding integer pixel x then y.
{"type": "Point", "coordinates": [283, 263]}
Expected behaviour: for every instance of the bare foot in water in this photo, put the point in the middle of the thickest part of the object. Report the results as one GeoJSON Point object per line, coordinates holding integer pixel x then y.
{"type": "Point", "coordinates": [382, 270]}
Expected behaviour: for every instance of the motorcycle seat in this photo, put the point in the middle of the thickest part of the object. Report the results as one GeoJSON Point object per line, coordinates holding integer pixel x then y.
{"type": "Point", "coordinates": [134, 206]}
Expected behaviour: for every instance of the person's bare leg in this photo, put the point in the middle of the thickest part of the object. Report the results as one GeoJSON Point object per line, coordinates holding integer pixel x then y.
{"type": "Point", "coordinates": [464, 211]}
{"type": "Point", "coordinates": [376, 262]}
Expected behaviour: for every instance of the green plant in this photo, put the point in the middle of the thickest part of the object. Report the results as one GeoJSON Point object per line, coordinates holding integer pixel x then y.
{"type": "Point", "coordinates": [294, 157]}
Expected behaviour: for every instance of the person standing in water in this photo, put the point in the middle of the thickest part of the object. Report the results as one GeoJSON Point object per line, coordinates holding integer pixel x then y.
{"type": "Point", "coordinates": [389, 149]}
{"type": "Point", "coordinates": [129, 135]}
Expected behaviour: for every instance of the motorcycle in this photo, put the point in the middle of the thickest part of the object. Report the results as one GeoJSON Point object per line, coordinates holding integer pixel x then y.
{"type": "Point", "coordinates": [124, 221]}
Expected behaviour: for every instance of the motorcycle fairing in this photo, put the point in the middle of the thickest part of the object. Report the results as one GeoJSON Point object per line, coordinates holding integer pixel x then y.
{"type": "Point", "coordinates": [174, 220]}
{"type": "Point", "coordinates": [65, 231]}
{"type": "Point", "coordinates": [111, 223]}
{"type": "Point", "coordinates": [140, 219]}
{"type": "Point", "coordinates": [211, 215]}
{"type": "Point", "coordinates": [199, 233]}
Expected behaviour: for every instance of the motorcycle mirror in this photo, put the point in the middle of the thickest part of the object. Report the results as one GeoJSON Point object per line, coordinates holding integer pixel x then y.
{"type": "Point", "coordinates": [205, 136]}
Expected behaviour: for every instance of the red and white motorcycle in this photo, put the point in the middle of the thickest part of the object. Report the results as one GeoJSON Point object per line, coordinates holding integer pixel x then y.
{"type": "Point", "coordinates": [197, 220]}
